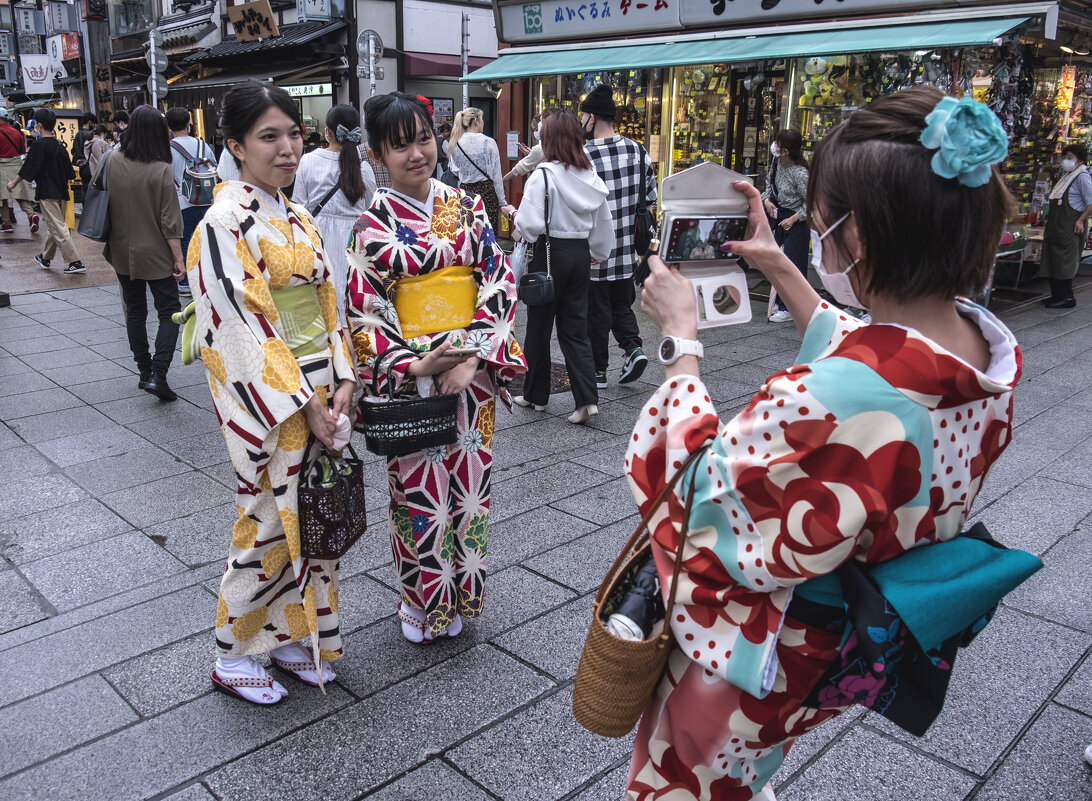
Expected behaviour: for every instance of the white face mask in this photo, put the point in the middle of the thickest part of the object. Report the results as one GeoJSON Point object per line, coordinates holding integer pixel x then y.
{"type": "Point", "coordinates": [775, 150]}
{"type": "Point", "coordinates": [837, 284]}
{"type": "Point", "coordinates": [538, 132]}
{"type": "Point", "coordinates": [1069, 165]}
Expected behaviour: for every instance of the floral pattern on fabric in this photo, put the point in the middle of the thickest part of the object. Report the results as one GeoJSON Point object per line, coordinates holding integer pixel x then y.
{"type": "Point", "coordinates": [439, 511]}
{"type": "Point", "coordinates": [804, 478]}
{"type": "Point", "coordinates": [270, 594]}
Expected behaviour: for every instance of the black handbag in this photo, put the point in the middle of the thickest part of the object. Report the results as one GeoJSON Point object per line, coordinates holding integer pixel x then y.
{"type": "Point", "coordinates": [644, 225]}
{"type": "Point", "coordinates": [537, 288]}
{"type": "Point", "coordinates": [95, 220]}
{"type": "Point", "coordinates": [330, 502]}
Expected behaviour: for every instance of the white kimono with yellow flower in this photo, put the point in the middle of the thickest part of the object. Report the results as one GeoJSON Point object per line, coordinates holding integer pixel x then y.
{"type": "Point", "coordinates": [246, 246]}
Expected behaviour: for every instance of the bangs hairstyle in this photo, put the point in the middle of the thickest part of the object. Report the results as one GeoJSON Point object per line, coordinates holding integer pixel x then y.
{"type": "Point", "coordinates": [393, 120]}
{"type": "Point", "coordinates": [146, 139]}
{"type": "Point", "coordinates": [247, 102]}
{"type": "Point", "coordinates": [563, 140]}
{"type": "Point", "coordinates": [921, 235]}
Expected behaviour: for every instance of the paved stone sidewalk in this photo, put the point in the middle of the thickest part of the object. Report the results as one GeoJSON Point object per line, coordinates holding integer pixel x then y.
{"type": "Point", "coordinates": [114, 521]}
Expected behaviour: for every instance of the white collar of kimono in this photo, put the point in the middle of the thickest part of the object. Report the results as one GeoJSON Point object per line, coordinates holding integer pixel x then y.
{"type": "Point", "coordinates": [1002, 369]}
{"type": "Point", "coordinates": [279, 209]}
{"type": "Point", "coordinates": [426, 208]}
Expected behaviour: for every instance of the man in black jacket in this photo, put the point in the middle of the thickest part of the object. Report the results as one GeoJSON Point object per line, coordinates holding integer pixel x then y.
{"type": "Point", "coordinates": [83, 135]}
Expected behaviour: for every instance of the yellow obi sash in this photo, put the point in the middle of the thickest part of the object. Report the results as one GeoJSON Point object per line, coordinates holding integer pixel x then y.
{"type": "Point", "coordinates": [437, 301]}
{"type": "Point", "coordinates": [300, 316]}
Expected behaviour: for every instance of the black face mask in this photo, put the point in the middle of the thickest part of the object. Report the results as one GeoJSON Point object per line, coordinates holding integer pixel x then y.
{"type": "Point", "coordinates": [589, 134]}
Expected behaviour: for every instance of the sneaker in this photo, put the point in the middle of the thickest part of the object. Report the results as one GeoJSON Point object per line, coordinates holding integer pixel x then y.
{"type": "Point", "coordinates": [601, 379]}
{"type": "Point", "coordinates": [7, 228]}
{"type": "Point", "coordinates": [74, 268]}
{"type": "Point", "coordinates": [781, 316]}
{"type": "Point", "coordinates": [633, 365]}
{"type": "Point", "coordinates": [34, 220]}
{"type": "Point", "coordinates": [184, 289]}
{"type": "Point", "coordinates": [43, 262]}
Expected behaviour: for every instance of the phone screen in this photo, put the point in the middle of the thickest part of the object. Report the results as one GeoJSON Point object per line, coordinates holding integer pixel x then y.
{"type": "Point", "coordinates": [700, 238]}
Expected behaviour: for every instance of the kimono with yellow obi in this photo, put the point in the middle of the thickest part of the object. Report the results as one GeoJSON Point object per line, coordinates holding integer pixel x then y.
{"type": "Point", "coordinates": [439, 509]}
{"type": "Point", "coordinates": [249, 246]}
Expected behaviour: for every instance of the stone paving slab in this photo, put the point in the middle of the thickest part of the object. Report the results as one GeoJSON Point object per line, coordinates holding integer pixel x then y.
{"type": "Point", "coordinates": [100, 569]}
{"type": "Point", "coordinates": [23, 605]}
{"type": "Point", "coordinates": [56, 530]}
{"type": "Point", "coordinates": [1017, 519]}
{"type": "Point", "coordinates": [159, 680]}
{"type": "Point", "coordinates": [28, 404]}
{"type": "Point", "coordinates": [35, 730]}
{"type": "Point", "coordinates": [190, 539]}
{"type": "Point", "coordinates": [553, 752]}
{"type": "Point", "coordinates": [165, 499]}
{"type": "Point", "coordinates": [124, 470]}
{"type": "Point", "coordinates": [360, 749]}
{"type": "Point", "coordinates": [1059, 591]}
{"type": "Point", "coordinates": [1077, 691]}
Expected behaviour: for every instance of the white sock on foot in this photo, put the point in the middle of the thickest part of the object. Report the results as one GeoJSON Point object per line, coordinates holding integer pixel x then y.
{"type": "Point", "coordinates": [247, 667]}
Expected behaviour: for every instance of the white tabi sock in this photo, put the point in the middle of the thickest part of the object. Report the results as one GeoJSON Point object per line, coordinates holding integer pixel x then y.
{"type": "Point", "coordinates": [246, 667]}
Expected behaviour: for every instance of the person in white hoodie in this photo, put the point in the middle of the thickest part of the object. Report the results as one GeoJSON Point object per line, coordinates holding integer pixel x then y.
{"type": "Point", "coordinates": [581, 231]}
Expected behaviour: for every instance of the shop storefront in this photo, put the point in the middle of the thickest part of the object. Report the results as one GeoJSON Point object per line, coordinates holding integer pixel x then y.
{"type": "Point", "coordinates": [721, 95]}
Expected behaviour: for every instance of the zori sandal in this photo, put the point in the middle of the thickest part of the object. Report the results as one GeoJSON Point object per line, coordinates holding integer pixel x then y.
{"type": "Point", "coordinates": [294, 660]}
{"type": "Point", "coordinates": [265, 695]}
{"type": "Point", "coordinates": [413, 629]}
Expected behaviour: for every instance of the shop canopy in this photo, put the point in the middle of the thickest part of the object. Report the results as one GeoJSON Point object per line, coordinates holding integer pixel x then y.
{"type": "Point", "coordinates": [923, 36]}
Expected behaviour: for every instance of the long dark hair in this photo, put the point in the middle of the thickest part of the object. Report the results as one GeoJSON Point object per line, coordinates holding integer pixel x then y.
{"type": "Point", "coordinates": [922, 235]}
{"type": "Point", "coordinates": [146, 139]}
{"type": "Point", "coordinates": [349, 179]}
{"type": "Point", "coordinates": [248, 101]}
{"type": "Point", "coordinates": [563, 140]}
{"type": "Point", "coordinates": [391, 120]}
{"type": "Point", "coordinates": [792, 144]}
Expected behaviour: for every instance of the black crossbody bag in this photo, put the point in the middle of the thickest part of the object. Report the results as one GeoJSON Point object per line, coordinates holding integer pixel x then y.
{"type": "Point", "coordinates": [537, 289]}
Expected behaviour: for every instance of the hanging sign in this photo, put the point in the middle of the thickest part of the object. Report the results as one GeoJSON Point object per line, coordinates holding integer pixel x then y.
{"type": "Point", "coordinates": [7, 45]}
{"type": "Point", "coordinates": [60, 18]}
{"type": "Point", "coordinates": [28, 21]}
{"type": "Point", "coordinates": [37, 76]}
{"type": "Point", "coordinates": [70, 43]}
{"type": "Point", "coordinates": [55, 51]}
{"type": "Point", "coordinates": [253, 21]}
{"type": "Point", "coordinates": [312, 9]}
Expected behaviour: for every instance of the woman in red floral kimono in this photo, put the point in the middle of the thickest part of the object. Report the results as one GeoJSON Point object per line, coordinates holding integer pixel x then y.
{"type": "Point", "coordinates": [876, 442]}
{"type": "Point", "coordinates": [439, 511]}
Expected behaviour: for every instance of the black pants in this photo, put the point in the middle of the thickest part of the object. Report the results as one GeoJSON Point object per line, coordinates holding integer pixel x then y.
{"type": "Point", "coordinates": [165, 296]}
{"type": "Point", "coordinates": [795, 243]}
{"type": "Point", "coordinates": [570, 265]}
{"type": "Point", "coordinates": [610, 309]}
{"type": "Point", "coordinates": [191, 218]}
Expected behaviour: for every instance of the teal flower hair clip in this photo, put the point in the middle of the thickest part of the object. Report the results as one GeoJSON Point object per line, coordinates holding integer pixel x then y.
{"type": "Point", "coordinates": [968, 139]}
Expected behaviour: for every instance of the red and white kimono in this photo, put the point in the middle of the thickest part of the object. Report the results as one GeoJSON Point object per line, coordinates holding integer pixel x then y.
{"type": "Point", "coordinates": [876, 442]}
{"type": "Point", "coordinates": [439, 511]}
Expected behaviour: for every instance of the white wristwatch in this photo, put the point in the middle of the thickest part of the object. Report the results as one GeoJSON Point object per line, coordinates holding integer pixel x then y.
{"type": "Point", "coordinates": [673, 348]}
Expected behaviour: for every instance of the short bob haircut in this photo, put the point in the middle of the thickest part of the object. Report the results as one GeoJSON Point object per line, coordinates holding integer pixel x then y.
{"type": "Point", "coordinates": [563, 141]}
{"type": "Point", "coordinates": [178, 118]}
{"type": "Point", "coordinates": [1078, 150]}
{"type": "Point", "coordinates": [393, 120]}
{"type": "Point", "coordinates": [146, 139]}
{"type": "Point", "coordinates": [46, 118]}
{"type": "Point", "coordinates": [246, 102]}
{"type": "Point", "coordinates": [921, 235]}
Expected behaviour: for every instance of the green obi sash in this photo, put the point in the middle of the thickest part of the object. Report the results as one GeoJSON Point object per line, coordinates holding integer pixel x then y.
{"type": "Point", "coordinates": [301, 319]}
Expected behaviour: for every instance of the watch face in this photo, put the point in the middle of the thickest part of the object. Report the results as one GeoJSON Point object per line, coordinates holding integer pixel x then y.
{"type": "Point", "coordinates": [667, 350]}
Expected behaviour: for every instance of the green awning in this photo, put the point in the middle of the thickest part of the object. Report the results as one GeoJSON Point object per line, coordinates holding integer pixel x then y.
{"type": "Point", "coordinates": [922, 36]}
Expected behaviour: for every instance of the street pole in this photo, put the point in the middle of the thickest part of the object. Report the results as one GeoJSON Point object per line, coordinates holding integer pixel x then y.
{"type": "Point", "coordinates": [466, 58]}
{"type": "Point", "coordinates": [154, 72]}
{"type": "Point", "coordinates": [371, 66]}
{"type": "Point", "coordinates": [90, 68]}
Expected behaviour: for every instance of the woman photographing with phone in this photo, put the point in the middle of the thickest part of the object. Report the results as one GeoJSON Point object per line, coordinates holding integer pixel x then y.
{"type": "Point", "coordinates": [432, 310]}
{"type": "Point", "coordinates": [876, 442]}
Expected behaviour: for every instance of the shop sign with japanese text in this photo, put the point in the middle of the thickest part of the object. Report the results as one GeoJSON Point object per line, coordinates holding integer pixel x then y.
{"type": "Point", "coordinates": [585, 19]}
{"type": "Point", "coordinates": [37, 75]}
{"type": "Point", "coordinates": [309, 89]}
{"type": "Point", "coordinates": [253, 21]}
{"type": "Point", "coordinates": [521, 21]}
{"type": "Point", "coordinates": [29, 21]}
{"type": "Point", "coordinates": [312, 10]}
{"type": "Point", "coordinates": [7, 44]}
{"type": "Point", "coordinates": [70, 42]}
{"type": "Point", "coordinates": [60, 18]}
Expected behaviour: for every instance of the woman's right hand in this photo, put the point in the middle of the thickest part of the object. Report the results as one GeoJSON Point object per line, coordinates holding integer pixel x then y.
{"type": "Point", "coordinates": [321, 422]}
{"type": "Point", "coordinates": [438, 360]}
{"type": "Point", "coordinates": [771, 208]}
{"type": "Point", "coordinates": [759, 249]}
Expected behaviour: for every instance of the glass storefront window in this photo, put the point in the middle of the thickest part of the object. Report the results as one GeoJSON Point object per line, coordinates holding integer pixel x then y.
{"type": "Point", "coordinates": [699, 133]}
{"type": "Point", "coordinates": [131, 16]}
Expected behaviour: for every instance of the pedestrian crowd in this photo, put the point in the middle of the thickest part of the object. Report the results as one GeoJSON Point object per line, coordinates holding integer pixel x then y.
{"type": "Point", "coordinates": [360, 284]}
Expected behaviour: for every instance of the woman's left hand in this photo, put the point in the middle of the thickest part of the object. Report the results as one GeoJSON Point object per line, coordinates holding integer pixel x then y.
{"type": "Point", "coordinates": [789, 222]}
{"type": "Point", "coordinates": [508, 210]}
{"type": "Point", "coordinates": [668, 298]}
{"type": "Point", "coordinates": [343, 399]}
{"type": "Point", "coordinates": [458, 378]}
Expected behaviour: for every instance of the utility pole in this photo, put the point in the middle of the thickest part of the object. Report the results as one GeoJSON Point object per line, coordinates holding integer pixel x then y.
{"type": "Point", "coordinates": [466, 58]}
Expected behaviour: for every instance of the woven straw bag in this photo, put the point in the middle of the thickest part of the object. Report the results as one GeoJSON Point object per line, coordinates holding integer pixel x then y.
{"type": "Point", "coordinates": [331, 516]}
{"type": "Point", "coordinates": [616, 678]}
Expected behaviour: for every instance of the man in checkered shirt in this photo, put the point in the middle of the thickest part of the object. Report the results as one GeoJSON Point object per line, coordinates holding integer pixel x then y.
{"type": "Point", "coordinates": [618, 161]}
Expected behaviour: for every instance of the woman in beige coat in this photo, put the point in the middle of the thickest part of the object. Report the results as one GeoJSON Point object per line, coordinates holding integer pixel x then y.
{"type": "Point", "coordinates": [145, 242]}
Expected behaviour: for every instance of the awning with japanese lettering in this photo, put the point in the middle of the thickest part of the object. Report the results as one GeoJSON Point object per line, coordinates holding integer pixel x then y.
{"type": "Point", "coordinates": [525, 62]}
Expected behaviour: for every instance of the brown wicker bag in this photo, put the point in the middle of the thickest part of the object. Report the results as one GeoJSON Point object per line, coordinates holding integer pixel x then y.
{"type": "Point", "coordinates": [616, 678]}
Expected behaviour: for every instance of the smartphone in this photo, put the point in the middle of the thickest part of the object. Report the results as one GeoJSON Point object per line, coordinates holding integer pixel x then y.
{"type": "Point", "coordinates": [701, 238]}
{"type": "Point", "coordinates": [463, 351]}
